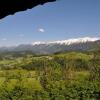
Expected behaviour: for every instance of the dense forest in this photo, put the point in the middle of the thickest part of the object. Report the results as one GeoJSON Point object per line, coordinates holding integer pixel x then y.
{"type": "Point", "coordinates": [59, 76]}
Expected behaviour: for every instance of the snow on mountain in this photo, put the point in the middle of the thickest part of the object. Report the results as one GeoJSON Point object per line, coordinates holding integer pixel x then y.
{"type": "Point", "coordinates": [38, 43]}
{"type": "Point", "coordinates": [79, 44]}
{"type": "Point", "coordinates": [69, 41]}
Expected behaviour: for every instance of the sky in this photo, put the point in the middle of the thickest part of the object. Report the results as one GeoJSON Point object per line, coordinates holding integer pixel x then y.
{"type": "Point", "coordinates": [59, 20]}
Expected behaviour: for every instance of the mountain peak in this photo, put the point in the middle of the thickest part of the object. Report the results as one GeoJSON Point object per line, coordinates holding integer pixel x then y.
{"type": "Point", "coordinates": [78, 44]}
{"type": "Point", "coordinates": [69, 41]}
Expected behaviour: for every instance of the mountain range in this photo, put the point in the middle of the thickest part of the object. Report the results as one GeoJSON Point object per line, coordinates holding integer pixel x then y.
{"type": "Point", "coordinates": [79, 44]}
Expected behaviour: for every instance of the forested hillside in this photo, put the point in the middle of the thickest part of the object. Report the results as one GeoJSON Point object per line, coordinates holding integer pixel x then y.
{"type": "Point", "coordinates": [60, 76]}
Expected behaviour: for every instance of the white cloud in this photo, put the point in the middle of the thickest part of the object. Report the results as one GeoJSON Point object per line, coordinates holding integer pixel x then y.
{"type": "Point", "coordinates": [41, 30]}
{"type": "Point", "coordinates": [4, 39]}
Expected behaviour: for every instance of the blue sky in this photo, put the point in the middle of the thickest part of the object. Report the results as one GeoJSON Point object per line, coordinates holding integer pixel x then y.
{"type": "Point", "coordinates": [59, 20]}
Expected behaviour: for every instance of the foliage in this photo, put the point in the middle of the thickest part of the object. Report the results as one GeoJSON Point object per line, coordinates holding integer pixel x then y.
{"type": "Point", "coordinates": [66, 76]}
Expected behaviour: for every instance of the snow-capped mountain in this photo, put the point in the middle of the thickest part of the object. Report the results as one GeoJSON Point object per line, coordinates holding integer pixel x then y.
{"type": "Point", "coordinates": [69, 41]}
{"type": "Point", "coordinates": [79, 44]}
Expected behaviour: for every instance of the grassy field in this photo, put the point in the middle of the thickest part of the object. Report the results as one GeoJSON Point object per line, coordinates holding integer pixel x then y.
{"type": "Point", "coordinates": [65, 76]}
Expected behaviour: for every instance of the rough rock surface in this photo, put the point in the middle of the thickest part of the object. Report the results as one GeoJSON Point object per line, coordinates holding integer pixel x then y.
{"type": "Point", "coordinates": [9, 7]}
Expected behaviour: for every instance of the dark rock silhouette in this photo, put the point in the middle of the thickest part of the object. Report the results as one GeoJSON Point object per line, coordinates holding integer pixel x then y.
{"type": "Point", "coordinates": [9, 7]}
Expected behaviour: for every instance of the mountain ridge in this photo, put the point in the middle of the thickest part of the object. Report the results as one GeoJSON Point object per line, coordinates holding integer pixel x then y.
{"type": "Point", "coordinates": [80, 44]}
{"type": "Point", "coordinates": [68, 41]}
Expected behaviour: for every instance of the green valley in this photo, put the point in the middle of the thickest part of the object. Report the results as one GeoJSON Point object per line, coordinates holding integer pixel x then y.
{"type": "Point", "coordinates": [60, 76]}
